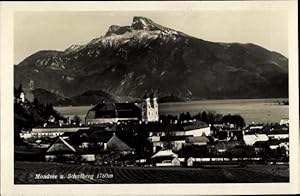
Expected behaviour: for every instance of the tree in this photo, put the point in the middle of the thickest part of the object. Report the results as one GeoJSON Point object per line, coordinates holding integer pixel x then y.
{"type": "Point", "coordinates": [238, 121]}
{"type": "Point", "coordinates": [20, 89]}
{"type": "Point", "coordinates": [204, 117]}
{"type": "Point", "coordinates": [35, 102]}
{"type": "Point", "coordinates": [210, 118]}
{"type": "Point", "coordinates": [182, 117]}
{"type": "Point", "coordinates": [234, 119]}
{"type": "Point", "coordinates": [76, 119]}
{"type": "Point", "coordinates": [218, 118]}
{"type": "Point", "coordinates": [188, 116]}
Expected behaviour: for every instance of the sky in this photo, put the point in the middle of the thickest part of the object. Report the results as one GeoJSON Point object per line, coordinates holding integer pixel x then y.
{"type": "Point", "coordinates": [34, 31]}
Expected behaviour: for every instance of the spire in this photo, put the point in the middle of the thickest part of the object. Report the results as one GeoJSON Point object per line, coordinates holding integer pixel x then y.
{"type": "Point", "coordinates": [145, 95]}
{"type": "Point", "coordinates": [151, 95]}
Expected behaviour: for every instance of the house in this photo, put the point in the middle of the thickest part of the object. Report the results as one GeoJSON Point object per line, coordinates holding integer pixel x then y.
{"type": "Point", "coordinates": [112, 113]}
{"type": "Point", "coordinates": [100, 140]}
{"type": "Point", "coordinates": [222, 147]}
{"type": "Point", "coordinates": [278, 133]}
{"type": "Point", "coordinates": [89, 146]}
{"type": "Point", "coordinates": [191, 150]}
{"type": "Point", "coordinates": [277, 143]}
{"type": "Point", "coordinates": [61, 150]}
{"type": "Point", "coordinates": [252, 138]}
{"type": "Point", "coordinates": [146, 111]}
{"type": "Point", "coordinates": [174, 136]}
{"type": "Point", "coordinates": [284, 121]}
{"type": "Point", "coordinates": [116, 144]}
{"type": "Point", "coordinates": [167, 142]}
{"type": "Point", "coordinates": [229, 134]}
{"type": "Point", "coordinates": [190, 162]}
{"type": "Point", "coordinates": [254, 129]}
{"type": "Point", "coordinates": [53, 131]}
{"type": "Point", "coordinates": [198, 140]}
{"type": "Point", "coordinates": [189, 128]}
{"type": "Point", "coordinates": [261, 146]}
{"type": "Point", "coordinates": [165, 158]}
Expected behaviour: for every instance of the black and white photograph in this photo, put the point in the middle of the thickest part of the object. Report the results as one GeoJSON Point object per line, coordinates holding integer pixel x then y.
{"type": "Point", "coordinates": [152, 96]}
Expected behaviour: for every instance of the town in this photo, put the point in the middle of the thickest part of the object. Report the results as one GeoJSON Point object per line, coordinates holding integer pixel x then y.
{"type": "Point", "coordinates": [134, 134]}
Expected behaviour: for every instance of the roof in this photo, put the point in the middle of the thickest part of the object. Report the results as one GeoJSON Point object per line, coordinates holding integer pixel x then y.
{"type": "Point", "coordinates": [51, 126]}
{"type": "Point", "coordinates": [261, 144]}
{"type": "Point", "coordinates": [57, 129]}
{"type": "Point", "coordinates": [164, 153]}
{"type": "Point", "coordinates": [278, 131]}
{"type": "Point", "coordinates": [116, 110]}
{"type": "Point", "coordinates": [274, 142]}
{"type": "Point", "coordinates": [278, 141]}
{"type": "Point", "coordinates": [116, 144]}
{"type": "Point", "coordinates": [172, 138]}
{"type": "Point", "coordinates": [61, 146]}
{"type": "Point", "coordinates": [103, 135]}
{"type": "Point", "coordinates": [100, 136]}
{"type": "Point", "coordinates": [186, 126]}
{"type": "Point", "coordinates": [198, 139]}
{"type": "Point", "coordinates": [227, 144]}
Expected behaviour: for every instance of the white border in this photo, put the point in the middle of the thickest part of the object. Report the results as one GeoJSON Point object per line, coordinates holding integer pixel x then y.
{"type": "Point", "coordinates": [6, 59]}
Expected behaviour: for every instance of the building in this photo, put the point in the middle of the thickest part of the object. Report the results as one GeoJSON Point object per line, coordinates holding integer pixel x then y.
{"type": "Point", "coordinates": [112, 113]}
{"type": "Point", "coordinates": [24, 94]}
{"type": "Point", "coordinates": [51, 131]}
{"type": "Point", "coordinates": [147, 111]}
{"type": "Point", "coordinates": [175, 136]}
{"type": "Point", "coordinates": [278, 134]}
{"type": "Point", "coordinates": [165, 158]}
{"type": "Point", "coordinates": [88, 146]}
{"type": "Point", "coordinates": [198, 140]}
{"type": "Point", "coordinates": [150, 109]}
{"type": "Point", "coordinates": [61, 150]}
{"type": "Point", "coordinates": [251, 139]}
{"type": "Point", "coordinates": [192, 128]}
{"type": "Point", "coordinates": [284, 121]}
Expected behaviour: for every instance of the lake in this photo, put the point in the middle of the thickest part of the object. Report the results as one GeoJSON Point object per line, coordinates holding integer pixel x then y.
{"type": "Point", "coordinates": [252, 110]}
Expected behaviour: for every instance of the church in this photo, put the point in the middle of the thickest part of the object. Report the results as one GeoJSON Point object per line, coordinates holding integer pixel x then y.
{"type": "Point", "coordinates": [102, 113]}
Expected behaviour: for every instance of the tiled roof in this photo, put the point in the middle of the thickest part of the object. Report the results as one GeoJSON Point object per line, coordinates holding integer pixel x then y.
{"type": "Point", "coordinates": [116, 110]}
{"type": "Point", "coordinates": [227, 144]}
{"type": "Point", "coordinates": [198, 139]}
{"type": "Point", "coordinates": [278, 131]}
{"type": "Point", "coordinates": [164, 153]}
{"type": "Point", "coordinates": [186, 126]}
{"type": "Point", "coordinates": [61, 146]}
{"type": "Point", "coordinates": [172, 138]}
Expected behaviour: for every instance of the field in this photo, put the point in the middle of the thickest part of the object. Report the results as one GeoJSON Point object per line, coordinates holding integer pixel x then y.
{"type": "Point", "coordinates": [26, 172]}
{"type": "Point", "coordinates": [252, 110]}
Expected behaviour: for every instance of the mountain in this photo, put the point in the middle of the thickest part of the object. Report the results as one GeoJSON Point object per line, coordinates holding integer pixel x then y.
{"type": "Point", "coordinates": [43, 96]}
{"type": "Point", "coordinates": [87, 98]}
{"type": "Point", "coordinates": [145, 56]}
{"type": "Point", "coordinates": [91, 97]}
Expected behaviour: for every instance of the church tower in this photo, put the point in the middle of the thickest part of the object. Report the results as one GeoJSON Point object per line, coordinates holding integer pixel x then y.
{"type": "Point", "coordinates": [150, 108]}
{"type": "Point", "coordinates": [31, 85]}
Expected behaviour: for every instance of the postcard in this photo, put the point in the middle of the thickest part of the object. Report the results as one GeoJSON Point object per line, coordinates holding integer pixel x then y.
{"type": "Point", "coordinates": [149, 98]}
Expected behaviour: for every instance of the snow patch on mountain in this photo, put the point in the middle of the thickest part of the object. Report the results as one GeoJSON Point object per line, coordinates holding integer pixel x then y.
{"type": "Point", "coordinates": [73, 48]}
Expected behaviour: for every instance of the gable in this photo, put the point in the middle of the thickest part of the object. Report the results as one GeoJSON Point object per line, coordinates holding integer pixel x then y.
{"type": "Point", "coordinates": [61, 146]}
{"type": "Point", "coordinates": [117, 144]}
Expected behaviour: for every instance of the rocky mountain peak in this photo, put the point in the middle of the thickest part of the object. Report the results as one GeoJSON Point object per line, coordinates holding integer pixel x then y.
{"type": "Point", "coordinates": [145, 55]}
{"type": "Point", "coordinates": [117, 30]}
{"type": "Point", "coordinates": [142, 23]}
